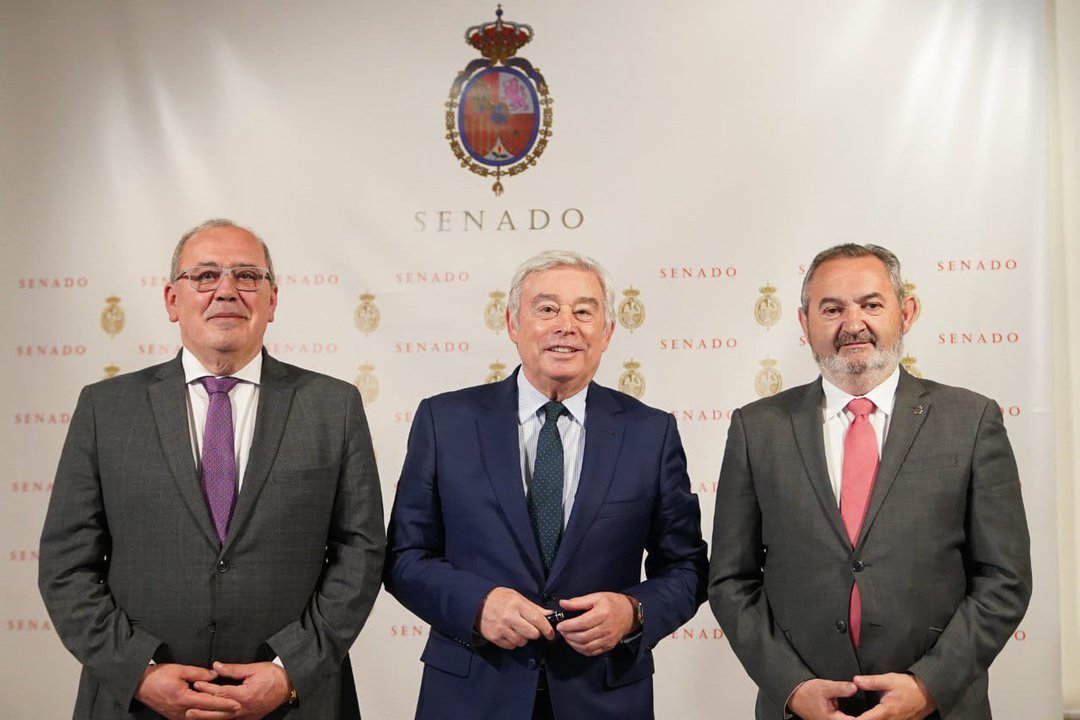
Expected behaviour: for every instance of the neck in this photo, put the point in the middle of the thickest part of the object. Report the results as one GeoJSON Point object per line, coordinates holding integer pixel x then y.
{"type": "Point", "coordinates": [222, 363]}
{"type": "Point", "coordinates": [858, 384]}
{"type": "Point", "coordinates": [557, 391]}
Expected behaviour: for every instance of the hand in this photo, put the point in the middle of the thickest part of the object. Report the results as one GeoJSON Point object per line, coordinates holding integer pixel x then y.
{"type": "Point", "coordinates": [816, 699]}
{"type": "Point", "coordinates": [606, 619]}
{"type": "Point", "coordinates": [509, 620]}
{"type": "Point", "coordinates": [166, 689]}
{"type": "Point", "coordinates": [265, 687]}
{"type": "Point", "coordinates": [903, 697]}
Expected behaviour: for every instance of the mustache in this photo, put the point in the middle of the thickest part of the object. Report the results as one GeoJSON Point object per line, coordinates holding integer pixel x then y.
{"type": "Point", "coordinates": [846, 338]}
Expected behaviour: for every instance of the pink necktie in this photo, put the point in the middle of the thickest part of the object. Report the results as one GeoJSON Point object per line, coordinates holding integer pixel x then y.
{"type": "Point", "coordinates": [857, 480]}
{"type": "Point", "coordinates": [218, 454]}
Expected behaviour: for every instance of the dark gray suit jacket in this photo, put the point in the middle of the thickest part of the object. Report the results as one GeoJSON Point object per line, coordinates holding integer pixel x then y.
{"type": "Point", "coordinates": [942, 560]}
{"type": "Point", "coordinates": [131, 569]}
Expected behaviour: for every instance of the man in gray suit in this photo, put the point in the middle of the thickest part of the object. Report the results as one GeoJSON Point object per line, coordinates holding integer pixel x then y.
{"type": "Point", "coordinates": [214, 541]}
{"type": "Point", "coordinates": [870, 552]}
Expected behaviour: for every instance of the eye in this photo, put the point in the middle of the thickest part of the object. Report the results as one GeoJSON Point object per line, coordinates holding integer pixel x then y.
{"type": "Point", "coordinates": [546, 312]}
{"type": "Point", "coordinates": [874, 305]}
{"type": "Point", "coordinates": [206, 274]}
{"type": "Point", "coordinates": [831, 311]}
{"type": "Point", "coordinates": [247, 275]}
{"type": "Point", "coordinates": [585, 314]}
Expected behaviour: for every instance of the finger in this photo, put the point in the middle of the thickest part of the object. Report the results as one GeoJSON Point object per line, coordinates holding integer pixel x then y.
{"type": "Point", "coordinates": [886, 681]}
{"type": "Point", "coordinates": [194, 673]}
{"type": "Point", "coordinates": [879, 712]}
{"type": "Point", "coordinates": [208, 715]}
{"type": "Point", "coordinates": [838, 688]}
{"type": "Point", "coordinates": [582, 602]}
{"type": "Point", "coordinates": [583, 636]}
{"type": "Point", "coordinates": [235, 671]}
{"type": "Point", "coordinates": [536, 616]}
{"type": "Point", "coordinates": [207, 701]}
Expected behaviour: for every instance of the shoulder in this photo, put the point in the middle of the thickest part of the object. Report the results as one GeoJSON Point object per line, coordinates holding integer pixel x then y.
{"type": "Point", "coordinates": [783, 403]}
{"type": "Point", "coordinates": [957, 401]}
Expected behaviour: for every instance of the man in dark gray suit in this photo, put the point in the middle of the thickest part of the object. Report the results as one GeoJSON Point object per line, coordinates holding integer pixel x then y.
{"type": "Point", "coordinates": [870, 552]}
{"type": "Point", "coordinates": [214, 541]}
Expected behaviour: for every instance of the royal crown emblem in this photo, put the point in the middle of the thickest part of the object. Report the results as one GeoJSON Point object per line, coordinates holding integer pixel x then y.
{"type": "Point", "coordinates": [112, 317]}
{"type": "Point", "coordinates": [110, 371]}
{"type": "Point", "coordinates": [767, 308]}
{"type": "Point", "coordinates": [498, 115]}
{"type": "Point", "coordinates": [367, 384]}
{"type": "Point", "coordinates": [631, 381]}
{"type": "Point", "coordinates": [909, 291]}
{"type": "Point", "coordinates": [908, 364]}
{"type": "Point", "coordinates": [498, 372]}
{"type": "Point", "coordinates": [495, 312]}
{"type": "Point", "coordinates": [767, 381]}
{"type": "Point", "coordinates": [631, 310]}
{"type": "Point", "coordinates": [366, 315]}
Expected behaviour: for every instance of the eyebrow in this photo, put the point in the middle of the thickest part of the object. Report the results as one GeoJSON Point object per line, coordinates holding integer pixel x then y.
{"type": "Point", "coordinates": [542, 297]}
{"type": "Point", "coordinates": [215, 264]}
{"type": "Point", "coordinates": [860, 300]}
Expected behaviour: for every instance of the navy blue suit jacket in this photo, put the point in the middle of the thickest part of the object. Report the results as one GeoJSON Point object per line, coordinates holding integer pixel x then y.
{"type": "Point", "coordinates": [460, 528]}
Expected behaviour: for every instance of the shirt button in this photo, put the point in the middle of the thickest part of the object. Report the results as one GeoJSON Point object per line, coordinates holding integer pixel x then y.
{"type": "Point", "coordinates": [857, 566]}
{"type": "Point", "coordinates": [222, 566]}
{"type": "Point", "coordinates": [841, 626]}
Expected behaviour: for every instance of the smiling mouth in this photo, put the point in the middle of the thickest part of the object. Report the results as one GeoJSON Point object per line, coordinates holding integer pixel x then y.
{"type": "Point", "coordinates": [562, 350]}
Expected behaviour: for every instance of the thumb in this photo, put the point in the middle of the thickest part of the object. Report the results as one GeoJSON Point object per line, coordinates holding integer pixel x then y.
{"type": "Point", "coordinates": [194, 673]}
{"type": "Point", "coordinates": [583, 602]}
{"type": "Point", "coordinates": [872, 682]}
{"type": "Point", "coordinates": [232, 670]}
{"type": "Point", "coordinates": [840, 688]}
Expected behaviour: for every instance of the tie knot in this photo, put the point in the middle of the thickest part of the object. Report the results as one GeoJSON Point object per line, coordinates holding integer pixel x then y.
{"type": "Point", "coordinates": [553, 410]}
{"type": "Point", "coordinates": [861, 407]}
{"type": "Point", "coordinates": [216, 385]}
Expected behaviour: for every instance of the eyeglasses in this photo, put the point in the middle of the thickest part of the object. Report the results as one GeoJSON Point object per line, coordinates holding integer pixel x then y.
{"type": "Point", "coordinates": [205, 278]}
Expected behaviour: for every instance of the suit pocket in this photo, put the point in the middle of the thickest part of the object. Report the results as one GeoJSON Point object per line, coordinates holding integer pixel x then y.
{"type": "Point", "coordinates": [446, 655]}
{"type": "Point", "coordinates": [625, 508]}
{"type": "Point", "coordinates": [618, 675]}
{"type": "Point", "coordinates": [932, 636]}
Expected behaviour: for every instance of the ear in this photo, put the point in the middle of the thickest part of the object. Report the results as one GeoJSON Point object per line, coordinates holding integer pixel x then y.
{"type": "Point", "coordinates": [908, 308]}
{"type": "Point", "coordinates": [511, 329]}
{"type": "Point", "coordinates": [170, 303]}
{"type": "Point", "coordinates": [607, 335]}
{"type": "Point", "coordinates": [273, 303]}
{"type": "Point", "coordinates": [804, 322]}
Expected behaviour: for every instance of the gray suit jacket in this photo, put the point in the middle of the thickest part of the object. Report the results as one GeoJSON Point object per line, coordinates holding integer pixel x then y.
{"type": "Point", "coordinates": [131, 569]}
{"type": "Point", "coordinates": [942, 560]}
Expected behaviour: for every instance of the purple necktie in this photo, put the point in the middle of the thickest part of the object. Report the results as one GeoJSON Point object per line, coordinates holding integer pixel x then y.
{"type": "Point", "coordinates": [218, 455]}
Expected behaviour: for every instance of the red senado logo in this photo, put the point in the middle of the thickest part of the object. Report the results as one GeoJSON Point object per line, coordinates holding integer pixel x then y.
{"type": "Point", "coordinates": [53, 283]}
{"type": "Point", "coordinates": [979, 338]}
{"type": "Point", "coordinates": [955, 265]}
{"type": "Point", "coordinates": [698, 272]}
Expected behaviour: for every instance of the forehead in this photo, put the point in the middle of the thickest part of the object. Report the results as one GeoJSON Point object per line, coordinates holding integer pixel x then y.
{"type": "Point", "coordinates": [226, 246]}
{"type": "Point", "coordinates": [563, 282]}
{"type": "Point", "coordinates": [850, 277]}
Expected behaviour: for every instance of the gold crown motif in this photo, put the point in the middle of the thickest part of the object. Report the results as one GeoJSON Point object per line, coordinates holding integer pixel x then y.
{"type": "Point", "coordinates": [499, 40]}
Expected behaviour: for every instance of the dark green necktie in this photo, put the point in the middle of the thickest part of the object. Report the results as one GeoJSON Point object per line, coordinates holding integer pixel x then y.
{"type": "Point", "coordinates": [546, 488]}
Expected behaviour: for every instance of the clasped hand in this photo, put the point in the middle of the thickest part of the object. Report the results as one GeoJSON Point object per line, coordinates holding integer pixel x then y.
{"type": "Point", "coordinates": [187, 692]}
{"type": "Point", "coordinates": [903, 697]}
{"type": "Point", "coordinates": [509, 620]}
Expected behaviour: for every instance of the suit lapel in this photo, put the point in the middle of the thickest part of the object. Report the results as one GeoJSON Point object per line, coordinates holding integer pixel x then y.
{"type": "Point", "coordinates": [809, 437]}
{"type": "Point", "coordinates": [275, 401]}
{"type": "Point", "coordinates": [603, 440]}
{"type": "Point", "coordinates": [909, 411]}
{"type": "Point", "coordinates": [169, 403]}
{"type": "Point", "coordinates": [497, 432]}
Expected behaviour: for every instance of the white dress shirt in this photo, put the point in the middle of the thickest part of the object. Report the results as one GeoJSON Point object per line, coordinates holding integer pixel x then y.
{"type": "Point", "coordinates": [244, 398]}
{"type": "Point", "coordinates": [837, 419]}
{"type": "Point", "coordinates": [571, 430]}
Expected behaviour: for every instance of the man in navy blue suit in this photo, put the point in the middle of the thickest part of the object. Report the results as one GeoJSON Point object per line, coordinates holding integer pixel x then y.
{"type": "Point", "coordinates": [523, 512]}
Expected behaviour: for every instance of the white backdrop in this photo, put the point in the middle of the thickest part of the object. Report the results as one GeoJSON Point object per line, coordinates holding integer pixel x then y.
{"type": "Point", "coordinates": [701, 151]}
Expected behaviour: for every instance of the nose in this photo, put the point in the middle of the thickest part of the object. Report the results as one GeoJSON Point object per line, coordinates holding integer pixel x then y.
{"type": "Point", "coordinates": [853, 321]}
{"type": "Point", "coordinates": [223, 291]}
{"type": "Point", "coordinates": [564, 322]}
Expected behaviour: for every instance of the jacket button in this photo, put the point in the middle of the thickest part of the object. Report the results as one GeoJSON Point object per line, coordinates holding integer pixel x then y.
{"type": "Point", "coordinates": [857, 566]}
{"type": "Point", "coordinates": [841, 626]}
{"type": "Point", "coordinates": [531, 663]}
{"type": "Point", "coordinates": [222, 566]}
{"type": "Point", "coordinates": [212, 627]}
{"type": "Point", "coordinates": [545, 598]}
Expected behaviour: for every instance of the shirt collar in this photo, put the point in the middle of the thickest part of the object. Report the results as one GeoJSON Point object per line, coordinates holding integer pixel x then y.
{"type": "Point", "coordinates": [530, 400]}
{"type": "Point", "coordinates": [193, 369]}
{"type": "Point", "coordinates": [883, 396]}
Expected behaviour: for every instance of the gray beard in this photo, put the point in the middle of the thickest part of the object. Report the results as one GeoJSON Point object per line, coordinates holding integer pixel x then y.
{"type": "Point", "coordinates": [859, 376]}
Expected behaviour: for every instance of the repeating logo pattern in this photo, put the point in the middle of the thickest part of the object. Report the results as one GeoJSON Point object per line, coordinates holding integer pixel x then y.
{"type": "Point", "coordinates": [498, 372]}
{"type": "Point", "coordinates": [498, 115]}
{"type": "Point", "coordinates": [631, 310]}
{"type": "Point", "coordinates": [768, 381]}
{"type": "Point", "coordinates": [495, 312]}
{"type": "Point", "coordinates": [631, 381]}
{"type": "Point", "coordinates": [767, 309]}
{"type": "Point", "coordinates": [367, 384]}
{"type": "Point", "coordinates": [908, 363]}
{"type": "Point", "coordinates": [366, 317]}
{"type": "Point", "coordinates": [112, 317]}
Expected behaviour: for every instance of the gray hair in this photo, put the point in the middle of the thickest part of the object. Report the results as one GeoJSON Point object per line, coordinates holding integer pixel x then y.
{"type": "Point", "coordinates": [853, 250]}
{"type": "Point", "coordinates": [550, 259]}
{"type": "Point", "coordinates": [174, 266]}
